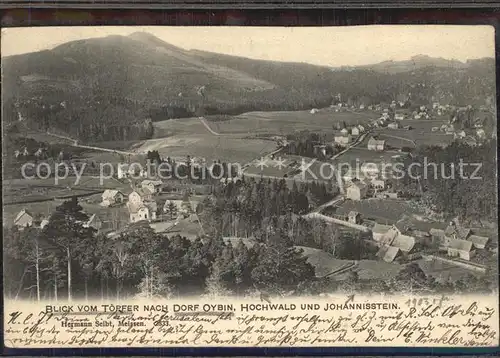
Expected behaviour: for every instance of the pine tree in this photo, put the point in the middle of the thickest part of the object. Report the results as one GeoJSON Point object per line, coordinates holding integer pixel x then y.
{"type": "Point", "coordinates": [67, 233]}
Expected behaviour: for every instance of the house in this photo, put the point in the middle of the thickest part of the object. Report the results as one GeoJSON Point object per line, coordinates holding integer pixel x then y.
{"type": "Point", "coordinates": [435, 105]}
{"type": "Point", "coordinates": [404, 242]}
{"type": "Point", "coordinates": [141, 205]}
{"type": "Point", "coordinates": [111, 197]}
{"type": "Point", "coordinates": [94, 222]}
{"type": "Point", "coordinates": [379, 231]}
{"type": "Point", "coordinates": [393, 125]}
{"type": "Point", "coordinates": [435, 129]}
{"type": "Point", "coordinates": [314, 111]}
{"type": "Point", "coordinates": [361, 129]}
{"type": "Point", "coordinates": [355, 131]}
{"type": "Point", "coordinates": [460, 248]}
{"type": "Point", "coordinates": [357, 190]}
{"type": "Point", "coordinates": [362, 106]}
{"type": "Point", "coordinates": [344, 131]}
{"type": "Point", "coordinates": [374, 144]}
{"type": "Point", "coordinates": [479, 242]}
{"type": "Point", "coordinates": [342, 140]}
{"type": "Point", "coordinates": [417, 116]}
{"type": "Point", "coordinates": [378, 183]}
{"type": "Point", "coordinates": [388, 253]}
{"type": "Point", "coordinates": [140, 195]}
{"type": "Point", "coordinates": [142, 212]}
{"type": "Point", "coordinates": [399, 116]}
{"type": "Point", "coordinates": [154, 186]}
{"type": "Point", "coordinates": [23, 219]}
{"type": "Point", "coordinates": [354, 217]}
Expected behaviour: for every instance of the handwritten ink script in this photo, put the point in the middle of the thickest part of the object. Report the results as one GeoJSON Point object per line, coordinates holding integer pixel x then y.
{"type": "Point", "coordinates": [426, 322]}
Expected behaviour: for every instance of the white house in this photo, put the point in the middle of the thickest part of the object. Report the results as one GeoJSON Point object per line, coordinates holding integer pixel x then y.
{"type": "Point", "coordinates": [112, 197]}
{"type": "Point", "coordinates": [342, 140]}
{"type": "Point", "coordinates": [361, 129]}
{"type": "Point", "coordinates": [344, 131]}
{"type": "Point", "coordinates": [460, 248]}
{"type": "Point", "coordinates": [141, 205]}
{"type": "Point", "coordinates": [374, 144]}
{"type": "Point", "coordinates": [154, 186]}
{"type": "Point", "coordinates": [399, 116]}
{"type": "Point", "coordinates": [357, 190]}
{"type": "Point", "coordinates": [393, 125]}
{"type": "Point", "coordinates": [23, 219]}
{"type": "Point", "coordinates": [481, 133]}
{"type": "Point", "coordinates": [355, 131]}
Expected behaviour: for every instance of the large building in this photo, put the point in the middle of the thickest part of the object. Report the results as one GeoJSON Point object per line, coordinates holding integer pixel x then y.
{"type": "Point", "coordinates": [141, 205]}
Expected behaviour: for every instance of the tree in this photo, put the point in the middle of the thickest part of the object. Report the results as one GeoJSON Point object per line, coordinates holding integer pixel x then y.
{"type": "Point", "coordinates": [171, 209]}
{"type": "Point", "coordinates": [67, 234]}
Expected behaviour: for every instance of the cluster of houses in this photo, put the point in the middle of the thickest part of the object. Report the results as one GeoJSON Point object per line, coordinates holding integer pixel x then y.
{"type": "Point", "coordinates": [25, 219]}
{"type": "Point", "coordinates": [407, 237]}
{"type": "Point", "coordinates": [346, 135]}
{"type": "Point", "coordinates": [142, 203]}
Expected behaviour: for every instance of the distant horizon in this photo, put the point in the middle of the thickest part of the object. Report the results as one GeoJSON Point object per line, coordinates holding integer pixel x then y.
{"type": "Point", "coordinates": [362, 45]}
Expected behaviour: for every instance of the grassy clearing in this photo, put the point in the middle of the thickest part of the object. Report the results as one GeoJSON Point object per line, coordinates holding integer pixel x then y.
{"type": "Point", "coordinates": [287, 122]}
{"type": "Point", "coordinates": [210, 147]}
{"type": "Point", "coordinates": [380, 210]}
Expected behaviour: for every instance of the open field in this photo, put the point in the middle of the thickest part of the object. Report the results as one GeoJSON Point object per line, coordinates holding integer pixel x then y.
{"type": "Point", "coordinates": [208, 146]}
{"type": "Point", "coordinates": [381, 210]}
{"type": "Point", "coordinates": [287, 122]}
{"type": "Point", "coordinates": [443, 271]}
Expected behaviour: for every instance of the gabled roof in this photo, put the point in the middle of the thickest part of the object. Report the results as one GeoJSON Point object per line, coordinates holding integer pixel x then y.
{"type": "Point", "coordinates": [387, 253]}
{"type": "Point", "coordinates": [373, 141]}
{"type": "Point", "coordinates": [381, 228]}
{"type": "Point", "coordinates": [21, 214]}
{"type": "Point", "coordinates": [403, 242]}
{"type": "Point", "coordinates": [143, 191]}
{"type": "Point", "coordinates": [110, 193]}
{"type": "Point", "coordinates": [478, 240]}
{"type": "Point", "coordinates": [462, 245]}
{"type": "Point", "coordinates": [353, 213]}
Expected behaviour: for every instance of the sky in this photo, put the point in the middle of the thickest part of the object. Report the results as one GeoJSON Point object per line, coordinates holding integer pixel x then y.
{"type": "Point", "coordinates": [327, 46]}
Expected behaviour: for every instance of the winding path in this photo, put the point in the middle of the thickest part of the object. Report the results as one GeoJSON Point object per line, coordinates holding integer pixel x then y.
{"type": "Point", "coordinates": [75, 144]}
{"type": "Point", "coordinates": [204, 122]}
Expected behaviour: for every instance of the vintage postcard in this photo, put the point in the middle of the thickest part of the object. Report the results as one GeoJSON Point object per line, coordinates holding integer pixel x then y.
{"type": "Point", "coordinates": [250, 187]}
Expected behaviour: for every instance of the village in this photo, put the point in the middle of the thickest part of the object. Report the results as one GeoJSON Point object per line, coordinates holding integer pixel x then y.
{"type": "Point", "coordinates": [366, 203]}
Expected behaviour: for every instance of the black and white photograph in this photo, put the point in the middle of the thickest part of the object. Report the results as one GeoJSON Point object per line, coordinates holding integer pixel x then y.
{"type": "Point", "coordinates": [248, 162]}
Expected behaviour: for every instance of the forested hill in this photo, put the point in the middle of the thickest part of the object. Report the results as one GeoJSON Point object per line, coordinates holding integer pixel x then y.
{"type": "Point", "coordinates": [108, 88]}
